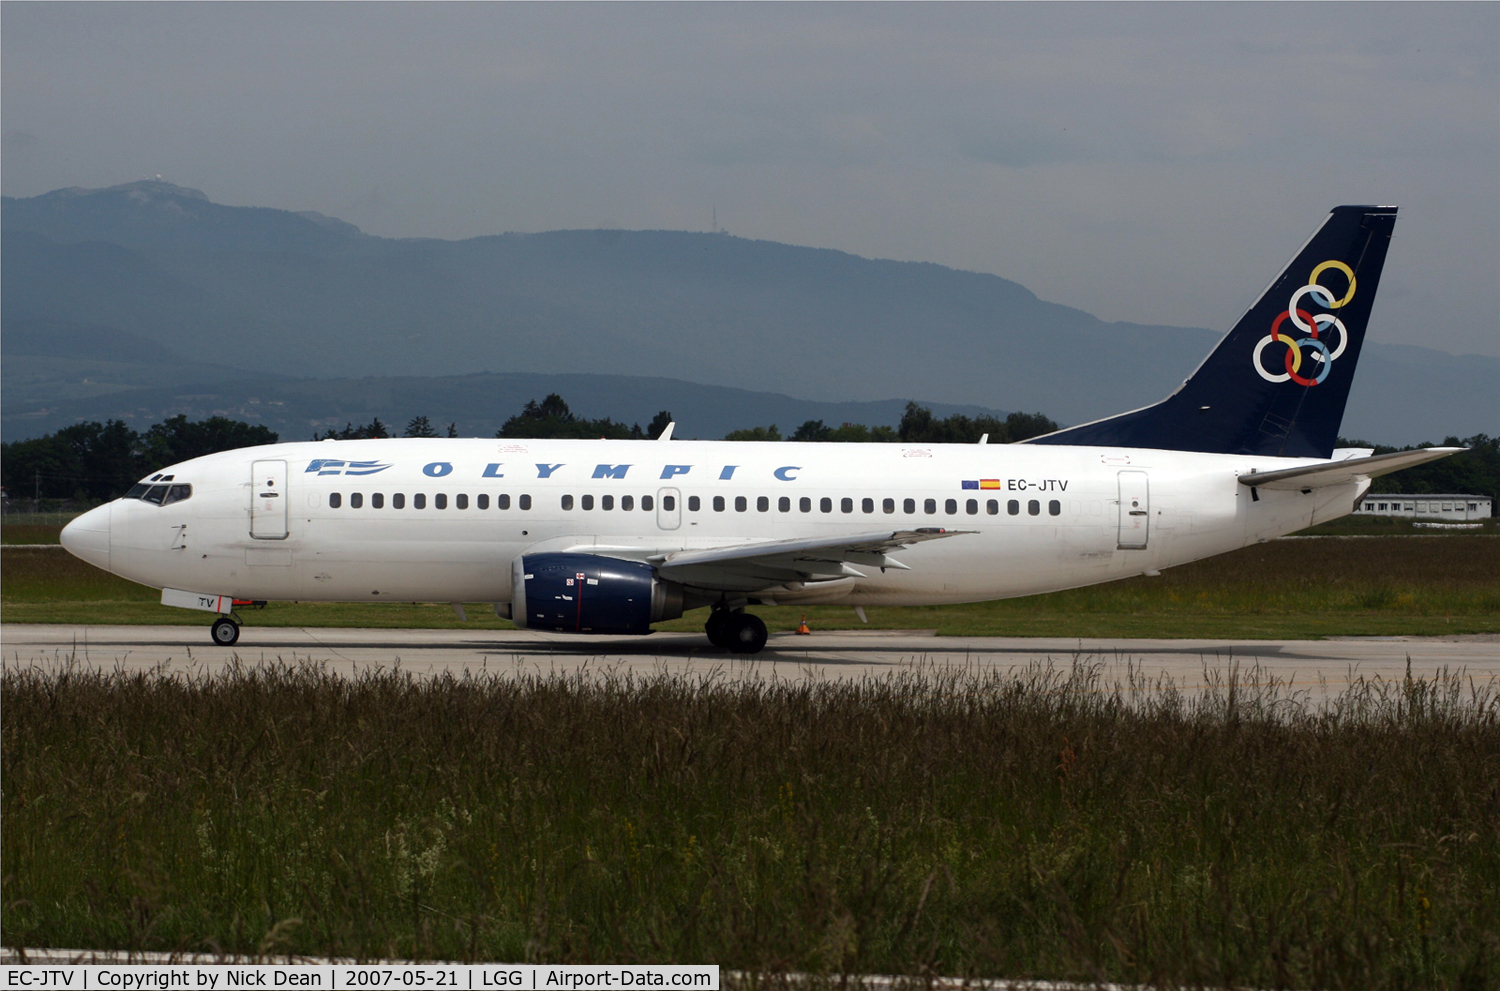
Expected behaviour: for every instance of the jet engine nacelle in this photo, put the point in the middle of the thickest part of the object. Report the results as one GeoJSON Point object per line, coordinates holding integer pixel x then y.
{"type": "Point", "coordinates": [584, 593]}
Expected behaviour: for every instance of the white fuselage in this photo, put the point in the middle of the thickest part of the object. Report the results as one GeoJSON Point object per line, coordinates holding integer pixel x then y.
{"type": "Point", "coordinates": [1081, 515]}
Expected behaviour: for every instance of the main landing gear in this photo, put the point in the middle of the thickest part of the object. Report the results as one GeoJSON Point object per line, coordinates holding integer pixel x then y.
{"type": "Point", "coordinates": [735, 630]}
{"type": "Point", "coordinates": [225, 631]}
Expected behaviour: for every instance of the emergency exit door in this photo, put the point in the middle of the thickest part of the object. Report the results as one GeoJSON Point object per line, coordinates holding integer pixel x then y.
{"type": "Point", "coordinates": [268, 500]}
{"type": "Point", "coordinates": [668, 509]}
{"type": "Point", "coordinates": [1135, 509]}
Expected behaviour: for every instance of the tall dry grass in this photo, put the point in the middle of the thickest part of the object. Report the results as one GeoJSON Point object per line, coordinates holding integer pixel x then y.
{"type": "Point", "coordinates": [1043, 824]}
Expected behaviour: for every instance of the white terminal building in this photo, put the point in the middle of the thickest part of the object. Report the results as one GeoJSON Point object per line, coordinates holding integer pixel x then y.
{"type": "Point", "coordinates": [1427, 507]}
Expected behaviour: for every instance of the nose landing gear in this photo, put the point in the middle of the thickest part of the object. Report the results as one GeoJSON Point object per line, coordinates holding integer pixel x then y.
{"type": "Point", "coordinates": [225, 631]}
{"type": "Point", "coordinates": [736, 631]}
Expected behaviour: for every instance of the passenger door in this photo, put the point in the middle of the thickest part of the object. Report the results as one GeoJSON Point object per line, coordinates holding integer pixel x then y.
{"type": "Point", "coordinates": [268, 500]}
{"type": "Point", "coordinates": [1135, 510]}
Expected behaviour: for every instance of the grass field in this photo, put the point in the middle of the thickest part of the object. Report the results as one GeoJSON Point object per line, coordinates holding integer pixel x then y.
{"type": "Point", "coordinates": [918, 824]}
{"type": "Point", "coordinates": [1368, 585]}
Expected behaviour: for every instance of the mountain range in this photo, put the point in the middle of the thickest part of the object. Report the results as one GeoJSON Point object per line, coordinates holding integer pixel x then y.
{"type": "Point", "coordinates": [138, 298]}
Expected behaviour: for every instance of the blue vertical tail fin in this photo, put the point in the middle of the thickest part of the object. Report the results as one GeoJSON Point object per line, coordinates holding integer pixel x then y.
{"type": "Point", "coordinates": [1277, 384]}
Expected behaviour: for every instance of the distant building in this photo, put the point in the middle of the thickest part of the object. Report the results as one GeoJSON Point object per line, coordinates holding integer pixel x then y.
{"type": "Point", "coordinates": [1427, 507]}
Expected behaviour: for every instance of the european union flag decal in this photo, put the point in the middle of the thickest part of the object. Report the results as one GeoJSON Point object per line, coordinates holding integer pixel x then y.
{"type": "Point", "coordinates": [971, 483]}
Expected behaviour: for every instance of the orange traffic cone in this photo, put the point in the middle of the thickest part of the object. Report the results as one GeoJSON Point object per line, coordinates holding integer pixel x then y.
{"type": "Point", "coordinates": [803, 628]}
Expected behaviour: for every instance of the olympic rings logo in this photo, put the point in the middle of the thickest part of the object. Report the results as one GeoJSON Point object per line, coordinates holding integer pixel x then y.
{"type": "Point", "coordinates": [1317, 327]}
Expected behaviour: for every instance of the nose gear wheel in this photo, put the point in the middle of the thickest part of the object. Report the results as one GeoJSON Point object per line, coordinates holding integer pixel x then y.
{"type": "Point", "coordinates": [225, 631]}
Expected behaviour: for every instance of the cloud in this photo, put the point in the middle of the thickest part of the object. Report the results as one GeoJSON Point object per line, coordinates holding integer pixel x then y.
{"type": "Point", "coordinates": [1018, 146]}
{"type": "Point", "coordinates": [16, 140]}
{"type": "Point", "coordinates": [1142, 161]}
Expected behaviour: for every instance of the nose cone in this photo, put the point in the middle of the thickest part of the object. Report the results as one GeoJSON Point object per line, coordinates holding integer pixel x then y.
{"type": "Point", "coordinates": [87, 537]}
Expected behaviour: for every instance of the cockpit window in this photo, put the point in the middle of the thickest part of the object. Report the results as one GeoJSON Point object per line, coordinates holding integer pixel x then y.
{"type": "Point", "coordinates": [159, 494]}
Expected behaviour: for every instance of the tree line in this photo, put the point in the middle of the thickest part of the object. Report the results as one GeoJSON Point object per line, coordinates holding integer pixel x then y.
{"type": "Point", "coordinates": [551, 418]}
{"type": "Point", "coordinates": [93, 462]}
{"type": "Point", "coordinates": [1476, 472]}
{"type": "Point", "coordinates": [919, 425]}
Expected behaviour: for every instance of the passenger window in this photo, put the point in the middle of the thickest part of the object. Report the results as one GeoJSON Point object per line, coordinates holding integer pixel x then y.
{"type": "Point", "coordinates": [740, 505]}
{"type": "Point", "coordinates": [929, 506]}
{"type": "Point", "coordinates": [1054, 508]}
{"type": "Point", "coordinates": [950, 506]}
{"type": "Point", "coordinates": [668, 503]}
{"type": "Point", "coordinates": [398, 501]}
{"type": "Point", "coordinates": [909, 506]}
{"type": "Point", "coordinates": [356, 500]}
{"type": "Point", "coordinates": [694, 504]}
{"type": "Point", "coordinates": [888, 505]}
{"type": "Point", "coordinates": [825, 505]}
{"type": "Point", "coordinates": [1013, 507]}
{"type": "Point", "coordinates": [419, 501]}
{"type": "Point", "coordinates": [647, 503]}
{"type": "Point", "coordinates": [718, 504]}
{"type": "Point", "coordinates": [524, 502]}
{"type": "Point", "coordinates": [567, 502]}
{"type": "Point", "coordinates": [762, 504]}
{"type": "Point", "coordinates": [627, 503]}
{"type": "Point", "coordinates": [607, 502]}
{"type": "Point", "coordinates": [440, 501]}
{"type": "Point", "coordinates": [804, 504]}
{"type": "Point", "coordinates": [482, 501]}
{"type": "Point", "coordinates": [502, 501]}
{"type": "Point", "coordinates": [992, 507]}
{"type": "Point", "coordinates": [846, 505]}
{"type": "Point", "coordinates": [335, 500]}
{"type": "Point", "coordinates": [972, 507]}
{"type": "Point", "coordinates": [461, 501]}
{"type": "Point", "coordinates": [178, 493]}
{"type": "Point", "coordinates": [1034, 508]}
{"type": "Point", "coordinates": [587, 502]}
{"type": "Point", "coordinates": [784, 504]}
{"type": "Point", "coordinates": [377, 500]}
{"type": "Point", "coordinates": [867, 505]}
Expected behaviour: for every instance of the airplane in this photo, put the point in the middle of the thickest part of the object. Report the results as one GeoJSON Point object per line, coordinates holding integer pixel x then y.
{"type": "Point", "coordinates": [609, 536]}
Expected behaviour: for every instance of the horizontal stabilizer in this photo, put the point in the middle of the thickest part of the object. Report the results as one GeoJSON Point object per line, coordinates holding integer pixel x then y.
{"type": "Point", "coordinates": [1342, 472]}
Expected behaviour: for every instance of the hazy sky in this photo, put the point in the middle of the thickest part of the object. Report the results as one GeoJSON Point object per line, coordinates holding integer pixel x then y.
{"type": "Point", "coordinates": [1143, 162]}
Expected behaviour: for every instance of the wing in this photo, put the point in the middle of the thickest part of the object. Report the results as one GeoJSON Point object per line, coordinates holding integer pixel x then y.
{"type": "Point", "coordinates": [1341, 472]}
{"type": "Point", "coordinates": [759, 565]}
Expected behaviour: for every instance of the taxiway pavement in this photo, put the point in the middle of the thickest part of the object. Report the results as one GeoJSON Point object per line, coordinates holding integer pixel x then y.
{"type": "Point", "coordinates": [1320, 666]}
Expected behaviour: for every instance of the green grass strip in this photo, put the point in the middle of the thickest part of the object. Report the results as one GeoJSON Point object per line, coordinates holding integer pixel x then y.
{"type": "Point", "coordinates": [1363, 586]}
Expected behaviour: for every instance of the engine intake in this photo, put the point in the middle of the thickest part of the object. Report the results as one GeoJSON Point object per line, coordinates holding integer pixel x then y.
{"type": "Point", "coordinates": [584, 593]}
